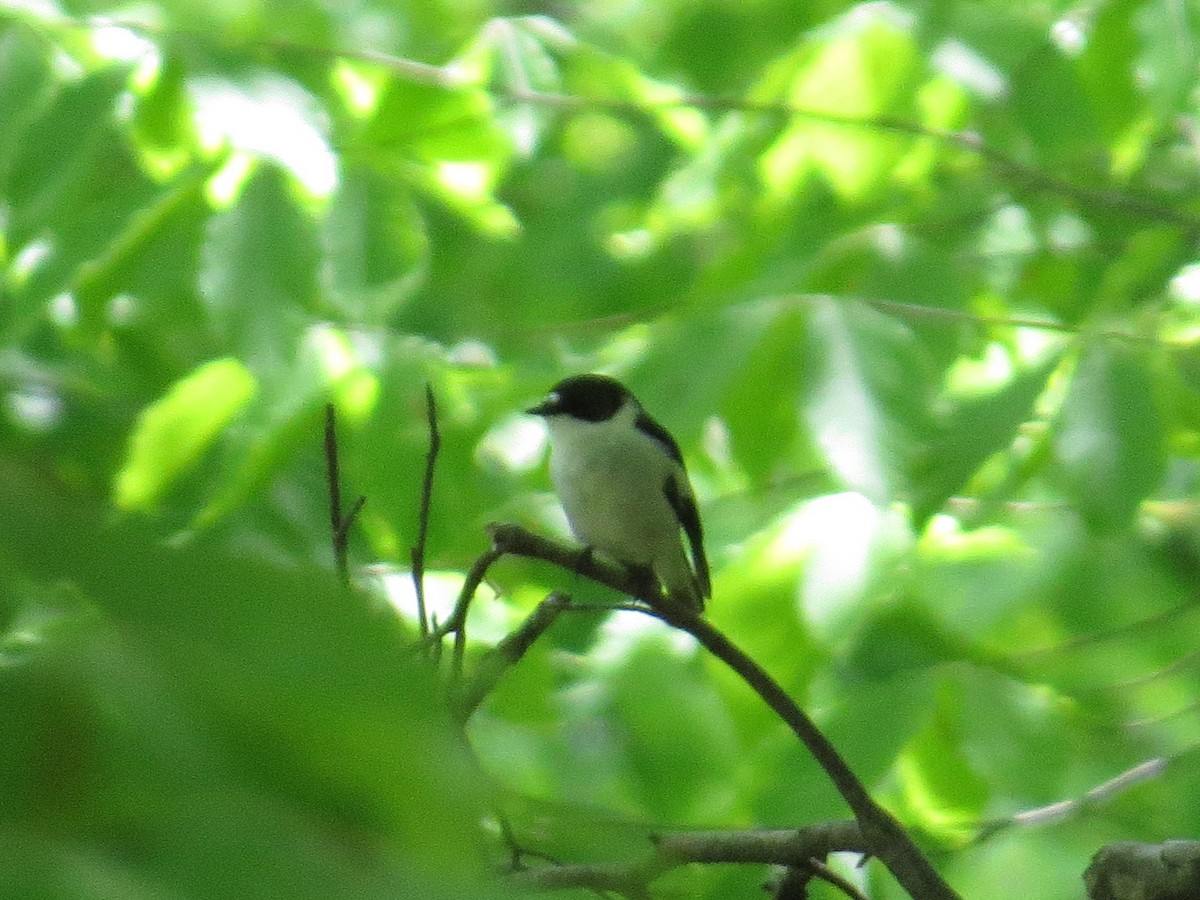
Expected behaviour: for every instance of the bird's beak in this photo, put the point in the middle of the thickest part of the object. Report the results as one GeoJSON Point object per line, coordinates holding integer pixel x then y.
{"type": "Point", "coordinates": [548, 407]}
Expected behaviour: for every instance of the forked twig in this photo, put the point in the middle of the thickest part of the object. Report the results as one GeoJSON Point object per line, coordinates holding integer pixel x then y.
{"type": "Point", "coordinates": [339, 525]}
{"type": "Point", "coordinates": [885, 838]}
{"type": "Point", "coordinates": [418, 550]}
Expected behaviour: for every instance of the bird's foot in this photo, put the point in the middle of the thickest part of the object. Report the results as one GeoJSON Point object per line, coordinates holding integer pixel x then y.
{"type": "Point", "coordinates": [644, 580]}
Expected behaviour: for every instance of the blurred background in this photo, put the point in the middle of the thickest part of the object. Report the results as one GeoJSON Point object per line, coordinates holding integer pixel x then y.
{"type": "Point", "coordinates": [915, 285]}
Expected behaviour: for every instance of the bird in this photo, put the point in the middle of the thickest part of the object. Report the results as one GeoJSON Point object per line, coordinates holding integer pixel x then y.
{"type": "Point", "coordinates": [621, 480]}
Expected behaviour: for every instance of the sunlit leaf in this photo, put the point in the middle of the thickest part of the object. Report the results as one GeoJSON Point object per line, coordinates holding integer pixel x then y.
{"type": "Point", "coordinates": [866, 390]}
{"type": "Point", "coordinates": [977, 428]}
{"type": "Point", "coordinates": [173, 432]}
{"type": "Point", "coordinates": [163, 123]}
{"type": "Point", "coordinates": [596, 74]}
{"type": "Point", "coordinates": [945, 793]}
{"type": "Point", "coordinates": [862, 68]}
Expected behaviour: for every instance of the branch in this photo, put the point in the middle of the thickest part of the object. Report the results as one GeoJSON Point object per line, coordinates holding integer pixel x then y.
{"type": "Point", "coordinates": [507, 654]}
{"type": "Point", "coordinates": [784, 847]}
{"type": "Point", "coordinates": [1063, 809]}
{"type": "Point", "coordinates": [885, 838]}
{"type": "Point", "coordinates": [451, 77]}
{"type": "Point", "coordinates": [339, 525]}
{"type": "Point", "coordinates": [418, 550]}
{"type": "Point", "coordinates": [794, 880]}
{"type": "Point", "coordinates": [1005, 166]}
{"type": "Point", "coordinates": [1127, 870]}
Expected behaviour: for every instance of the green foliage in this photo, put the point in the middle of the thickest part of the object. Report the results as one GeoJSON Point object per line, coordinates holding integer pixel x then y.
{"type": "Point", "coordinates": [915, 287]}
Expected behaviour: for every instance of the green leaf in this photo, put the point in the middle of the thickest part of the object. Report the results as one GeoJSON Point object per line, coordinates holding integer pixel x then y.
{"type": "Point", "coordinates": [60, 148]}
{"type": "Point", "coordinates": [863, 66]}
{"type": "Point", "coordinates": [901, 638]}
{"type": "Point", "coordinates": [973, 431]}
{"type": "Point", "coordinates": [376, 244]}
{"type": "Point", "coordinates": [591, 72]}
{"type": "Point", "coordinates": [677, 735]}
{"type": "Point", "coordinates": [1107, 65]}
{"type": "Point", "coordinates": [163, 122]}
{"type": "Point", "coordinates": [244, 734]}
{"type": "Point", "coordinates": [1063, 130]}
{"type": "Point", "coordinates": [258, 270]}
{"type": "Point", "coordinates": [1109, 437]}
{"type": "Point", "coordinates": [867, 396]}
{"type": "Point", "coordinates": [25, 86]}
{"type": "Point", "coordinates": [946, 794]}
{"type": "Point", "coordinates": [173, 432]}
{"type": "Point", "coordinates": [763, 425]}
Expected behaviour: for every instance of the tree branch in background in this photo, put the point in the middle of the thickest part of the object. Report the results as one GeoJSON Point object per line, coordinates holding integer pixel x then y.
{"type": "Point", "coordinates": [1003, 165]}
{"type": "Point", "coordinates": [1127, 870]}
{"type": "Point", "coordinates": [418, 550]}
{"type": "Point", "coordinates": [1064, 809]}
{"type": "Point", "coordinates": [783, 847]}
{"type": "Point", "coordinates": [885, 838]}
{"type": "Point", "coordinates": [339, 525]}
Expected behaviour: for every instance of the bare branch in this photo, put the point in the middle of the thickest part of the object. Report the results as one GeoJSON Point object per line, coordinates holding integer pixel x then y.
{"type": "Point", "coordinates": [418, 550]}
{"type": "Point", "coordinates": [507, 654]}
{"type": "Point", "coordinates": [785, 847]}
{"type": "Point", "coordinates": [1063, 809]}
{"type": "Point", "coordinates": [794, 880]}
{"type": "Point", "coordinates": [1003, 165]}
{"type": "Point", "coordinates": [458, 616]}
{"type": "Point", "coordinates": [1126, 870]}
{"type": "Point", "coordinates": [822, 871]}
{"type": "Point", "coordinates": [339, 526]}
{"type": "Point", "coordinates": [886, 839]}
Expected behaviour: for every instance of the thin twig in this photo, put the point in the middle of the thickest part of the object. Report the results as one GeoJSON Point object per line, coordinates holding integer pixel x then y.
{"type": "Point", "coordinates": [885, 837]}
{"type": "Point", "coordinates": [333, 478]}
{"type": "Point", "coordinates": [435, 647]}
{"type": "Point", "coordinates": [507, 654]}
{"type": "Point", "coordinates": [1056, 812]}
{"type": "Point", "coordinates": [343, 534]}
{"type": "Point", "coordinates": [1004, 165]}
{"type": "Point", "coordinates": [822, 871]}
{"type": "Point", "coordinates": [918, 310]}
{"type": "Point", "coordinates": [458, 616]}
{"type": "Point", "coordinates": [339, 525]}
{"type": "Point", "coordinates": [418, 550]}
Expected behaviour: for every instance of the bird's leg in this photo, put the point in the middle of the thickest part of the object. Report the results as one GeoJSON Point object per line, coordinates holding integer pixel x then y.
{"type": "Point", "coordinates": [586, 554]}
{"type": "Point", "coordinates": [644, 578]}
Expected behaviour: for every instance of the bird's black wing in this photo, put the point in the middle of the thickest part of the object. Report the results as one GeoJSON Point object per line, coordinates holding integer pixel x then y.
{"type": "Point", "coordinates": [654, 431]}
{"type": "Point", "coordinates": [689, 517]}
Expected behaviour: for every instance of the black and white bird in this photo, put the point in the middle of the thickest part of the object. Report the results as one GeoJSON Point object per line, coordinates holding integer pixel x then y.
{"type": "Point", "coordinates": [621, 481]}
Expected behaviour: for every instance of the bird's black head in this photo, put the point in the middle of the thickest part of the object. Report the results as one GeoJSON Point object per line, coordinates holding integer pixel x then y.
{"type": "Point", "coordinates": [590, 398]}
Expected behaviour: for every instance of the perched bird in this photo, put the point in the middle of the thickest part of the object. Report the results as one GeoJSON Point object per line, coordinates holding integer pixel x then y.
{"type": "Point", "coordinates": [621, 481]}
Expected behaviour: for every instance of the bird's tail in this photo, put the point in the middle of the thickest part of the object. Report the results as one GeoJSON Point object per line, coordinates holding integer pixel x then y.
{"type": "Point", "coordinates": [679, 581]}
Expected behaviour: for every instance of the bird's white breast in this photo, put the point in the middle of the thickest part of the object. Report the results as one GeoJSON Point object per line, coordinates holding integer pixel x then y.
{"type": "Point", "coordinates": [610, 478]}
